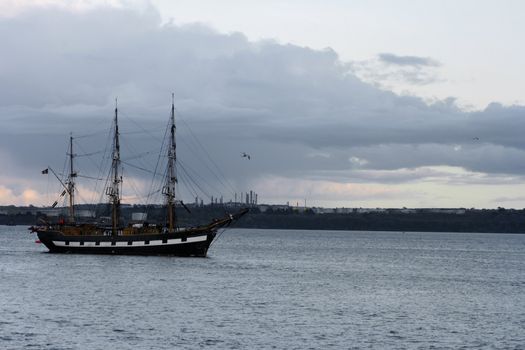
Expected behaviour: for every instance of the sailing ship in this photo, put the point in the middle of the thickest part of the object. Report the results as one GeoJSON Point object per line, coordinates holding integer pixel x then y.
{"type": "Point", "coordinates": [143, 239]}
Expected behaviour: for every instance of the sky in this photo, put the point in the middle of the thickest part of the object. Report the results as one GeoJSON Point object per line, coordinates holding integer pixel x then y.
{"type": "Point", "coordinates": [339, 103]}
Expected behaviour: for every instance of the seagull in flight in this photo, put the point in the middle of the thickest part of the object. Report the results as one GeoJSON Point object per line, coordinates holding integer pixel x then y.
{"type": "Point", "coordinates": [246, 155]}
{"type": "Point", "coordinates": [475, 138]}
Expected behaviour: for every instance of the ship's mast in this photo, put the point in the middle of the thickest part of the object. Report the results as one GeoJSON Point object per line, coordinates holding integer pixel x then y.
{"type": "Point", "coordinates": [113, 191]}
{"type": "Point", "coordinates": [169, 190]}
{"type": "Point", "coordinates": [71, 182]}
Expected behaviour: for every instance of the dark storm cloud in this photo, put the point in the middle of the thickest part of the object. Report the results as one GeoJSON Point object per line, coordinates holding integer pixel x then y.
{"type": "Point", "coordinates": [390, 58]}
{"type": "Point", "coordinates": [283, 104]}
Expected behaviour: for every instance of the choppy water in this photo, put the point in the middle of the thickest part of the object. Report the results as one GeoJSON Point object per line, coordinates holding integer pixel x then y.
{"type": "Point", "coordinates": [262, 289]}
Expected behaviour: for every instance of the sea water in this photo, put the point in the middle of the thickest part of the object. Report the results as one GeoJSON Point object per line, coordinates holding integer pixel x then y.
{"type": "Point", "coordinates": [270, 289]}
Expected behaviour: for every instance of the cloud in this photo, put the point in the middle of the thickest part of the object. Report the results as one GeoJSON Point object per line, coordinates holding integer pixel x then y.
{"type": "Point", "coordinates": [390, 69]}
{"type": "Point", "coordinates": [301, 113]}
{"type": "Point", "coordinates": [390, 58]}
{"type": "Point", "coordinates": [26, 197]}
{"type": "Point", "coordinates": [294, 190]}
{"type": "Point", "coordinates": [356, 161]}
{"type": "Point", "coordinates": [11, 8]}
{"type": "Point", "coordinates": [516, 199]}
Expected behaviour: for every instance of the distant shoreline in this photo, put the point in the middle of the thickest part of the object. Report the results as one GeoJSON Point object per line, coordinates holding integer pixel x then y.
{"type": "Point", "coordinates": [408, 220]}
{"type": "Point", "coordinates": [487, 221]}
{"type": "Point", "coordinates": [333, 230]}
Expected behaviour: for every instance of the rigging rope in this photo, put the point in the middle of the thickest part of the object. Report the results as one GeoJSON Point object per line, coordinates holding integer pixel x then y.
{"type": "Point", "coordinates": [155, 171]}
{"type": "Point", "coordinates": [188, 176]}
{"type": "Point", "coordinates": [226, 183]}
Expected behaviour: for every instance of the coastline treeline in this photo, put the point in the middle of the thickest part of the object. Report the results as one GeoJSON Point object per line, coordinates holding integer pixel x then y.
{"type": "Point", "coordinates": [474, 220]}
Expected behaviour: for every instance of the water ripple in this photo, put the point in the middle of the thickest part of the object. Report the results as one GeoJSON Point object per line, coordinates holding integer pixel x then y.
{"type": "Point", "coordinates": [271, 290]}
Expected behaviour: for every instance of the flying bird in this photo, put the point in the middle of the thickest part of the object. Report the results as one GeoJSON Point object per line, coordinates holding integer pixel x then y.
{"type": "Point", "coordinates": [246, 155]}
{"type": "Point", "coordinates": [475, 138]}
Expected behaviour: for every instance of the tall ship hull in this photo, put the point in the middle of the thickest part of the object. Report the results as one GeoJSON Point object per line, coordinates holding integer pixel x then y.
{"type": "Point", "coordinates": [160, 244]}
{"type": "Point", "coordinates": [89, 239]}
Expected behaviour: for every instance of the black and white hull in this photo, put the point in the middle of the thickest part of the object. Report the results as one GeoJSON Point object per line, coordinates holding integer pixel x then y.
{"type": "Point", "coordinates": [176, 244]}
{"type": "Point", "coordinates": [190, 242]}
